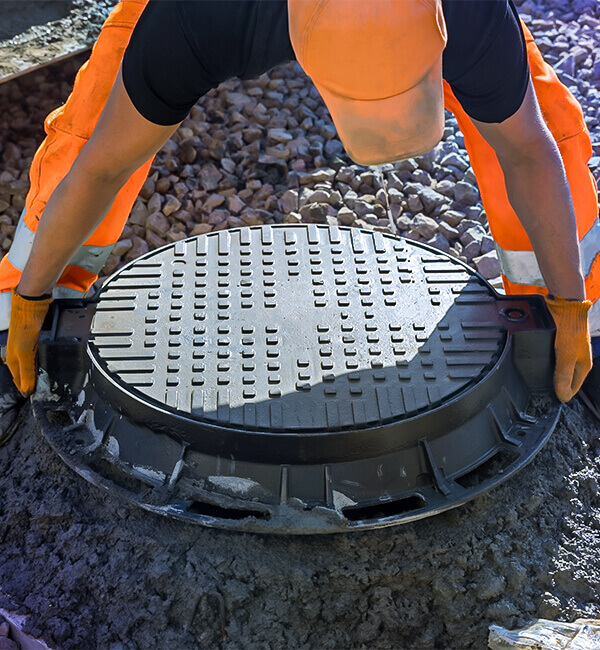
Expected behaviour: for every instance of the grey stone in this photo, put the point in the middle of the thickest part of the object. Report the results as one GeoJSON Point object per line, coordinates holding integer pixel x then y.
{"type": "Point", "coordinates": [157, 223]}
{"type": "Point", "coordinates": [473, 212]}
{"type": "Point", "coordinates": [471, 235]}
{"type": "Point", "coordinates": [452, 217]}
{"type": "Point", "coordinates": [465, 224]}
{"type": "Point", "coordinates": [335, 198]}
{"type": "Point", "coordinates": [487, 265]}
{"type": "Point", "coordinates": [200, 229]}
{"type": "Point", "coordinates": [422, 176]}
{"type": "Point", "coordinates": [362, 208]}
{"type": "Point", "coordinates": [172, 204]}
{"type": "Point", "coordinates": [155, 202]}
{"type": "Point", "coordinates": [217, 216]}
{"type": "Point", "coordinates": [440, 242]}
{"type": "Point", "coordinates": [424, 226]}
{"type": "Point", "coordinates": [235, 205]}
{"type": "Point", "coordinates": [314, 212]}
{"type": "Point", "coordinates": [445, 187]}
{"type": "Point", "coordinates": [239, 100]}
{"type": "Point", "coordinates": [466, 193]}
{"type": "Point", "coordinates": [472, 249]}
{"type": "Point", "coordinates": [209, 177]}
{"type": "Point", "coordinates": [487, 245]}
{"type": "Point", "coordinates": [430, 198]}
{"type": "Point", "coordinates": [122, 247]}
{"type": "Point", "coordinates": [395, 182]}
{"type": "Point", "coordinates": [566, 64]}
{"type": "Point", "coordinates": [139, 247]}
{"type": "Point", "coordinates": [415, 204]}
{"type": "Point", "coordinates": [139, 214]}
{"type": "Point", "coordinates": [279, 135]}
{"type": "Point", "coordinates": [333, 147]}
{"type": "Point", "coordinates": [408, 164]}
{"type": "Point", "coordinates": [469, 177]}
{"type": "Point", "coordinates": [412, 188]}
{"type": "Point", "coordinates": [320, 196]}
{"type": "Point", "coordinates": [345, 175]}
{"type": "Point", "coordinates": [288, 201]}
{"type": "Point", "coordinates": [447, 230]}
{"type": "Point", "coordinates": [213, 201]}
{"type": "Point", "coordinates": [455, 160]}
{"type": "Point", "coordinates": [404, 223]}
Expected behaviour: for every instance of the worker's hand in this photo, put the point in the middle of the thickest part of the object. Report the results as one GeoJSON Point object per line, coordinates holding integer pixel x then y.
{"type": "Point", "coordinates": [26, 319]}
{"type": "Point", "coordinates": [572, 344]}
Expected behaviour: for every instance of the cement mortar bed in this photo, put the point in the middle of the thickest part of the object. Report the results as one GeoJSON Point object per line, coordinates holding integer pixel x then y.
{"type": "Point", "coordinates": [92, 572]}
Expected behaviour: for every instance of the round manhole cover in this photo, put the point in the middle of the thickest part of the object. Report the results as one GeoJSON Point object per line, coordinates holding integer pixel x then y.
{"type": "Point", "coordinates": [330, 365]}
{"type": "Point", "coordinates": [294, 329]}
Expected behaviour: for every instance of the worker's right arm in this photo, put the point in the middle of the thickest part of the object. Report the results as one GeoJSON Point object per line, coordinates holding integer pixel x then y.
{"type": "Point", "coordinates": [121, 142]}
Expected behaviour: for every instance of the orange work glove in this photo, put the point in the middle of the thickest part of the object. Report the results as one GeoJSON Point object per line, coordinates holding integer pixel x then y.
{"type": "Point", "coordinates": [26, 320]}
{"type": "Point", "coordinates": [572, 344]}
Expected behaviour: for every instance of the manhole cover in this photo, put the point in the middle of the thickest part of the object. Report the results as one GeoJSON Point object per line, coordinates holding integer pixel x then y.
{"type": "Point", "coordinates": [299, 379]}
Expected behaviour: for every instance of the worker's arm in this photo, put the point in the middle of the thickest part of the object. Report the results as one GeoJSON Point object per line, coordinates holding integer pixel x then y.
{"type": "Point", "coordinates": [539, 194]}
{"type": "Point", "coordinates": [538, 191]}
{"type": "Point", "coordinates": [121, 142]}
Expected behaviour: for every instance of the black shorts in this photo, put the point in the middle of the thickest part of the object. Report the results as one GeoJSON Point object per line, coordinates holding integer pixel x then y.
{"type": "Point", "coordinates": [179, 50]}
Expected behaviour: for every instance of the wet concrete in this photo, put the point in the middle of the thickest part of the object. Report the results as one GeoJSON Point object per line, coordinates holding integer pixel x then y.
{"type": "Point", "coordinates": [35, 33]}
{"type": "Point", "coordinates": [92, 571]}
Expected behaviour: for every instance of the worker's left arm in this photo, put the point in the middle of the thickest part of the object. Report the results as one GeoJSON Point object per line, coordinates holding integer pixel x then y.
{"type": "Point", "coordinates": [538, 191]}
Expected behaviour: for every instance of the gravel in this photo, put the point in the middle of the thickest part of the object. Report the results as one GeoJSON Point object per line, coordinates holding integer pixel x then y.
{"type": "Point", "coordinates": [90, 572]}
{"type": "Point", "coordinates": [265, 151]}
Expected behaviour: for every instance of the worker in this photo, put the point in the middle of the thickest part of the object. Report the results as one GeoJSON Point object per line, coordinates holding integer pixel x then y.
{"type": "Point", "coordinates": [385, 69]}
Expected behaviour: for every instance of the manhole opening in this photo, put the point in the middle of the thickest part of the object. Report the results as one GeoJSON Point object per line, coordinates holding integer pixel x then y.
{"type": "Point", "coordinates": [490, 468]}
{"type": "Point", "coordinates": [385, 508]}
{"type": "Point", "coordinates": [213, 510]}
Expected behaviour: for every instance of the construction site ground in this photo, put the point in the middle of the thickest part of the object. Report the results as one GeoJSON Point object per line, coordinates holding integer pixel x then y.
{"type": "Point", "coordinates": [86, 570]}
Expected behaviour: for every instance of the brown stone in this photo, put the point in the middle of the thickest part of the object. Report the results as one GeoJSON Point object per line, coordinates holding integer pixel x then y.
{"type": "Point", "coordinates": [200, 229]}
{"type": "Point", "coordinates": [235, 205]}
{"type": "Point", "coordinates": [163, 185]}
{"type": "Point", "coordinates": [171, 205]}
{"type": "Point", "coordinates": [148, 188]}
{"type": "Point", "coordinates": [188, 154]}
{"type": "Point", "coordinates": [175, 235]}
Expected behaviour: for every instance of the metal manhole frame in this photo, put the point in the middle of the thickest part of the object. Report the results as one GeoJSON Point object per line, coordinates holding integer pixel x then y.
{"type": "Point", "coordinates": [294, 516]}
